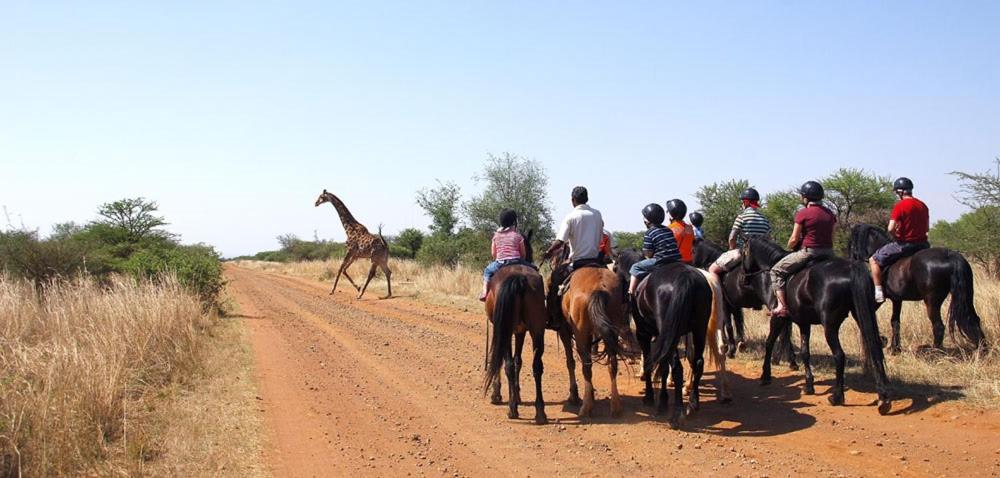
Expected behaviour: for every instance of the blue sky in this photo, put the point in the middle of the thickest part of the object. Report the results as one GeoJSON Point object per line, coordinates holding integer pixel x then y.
{"type": "Point", "coordinates": [234, 116]}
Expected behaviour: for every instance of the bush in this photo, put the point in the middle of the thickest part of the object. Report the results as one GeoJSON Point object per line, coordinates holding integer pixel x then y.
{"type": "Point", "coordinates": [626, 240]}
{"type": "Point", "coordinates": [196, 267]}
{"type": "Point", "coordinates": [467, 246]}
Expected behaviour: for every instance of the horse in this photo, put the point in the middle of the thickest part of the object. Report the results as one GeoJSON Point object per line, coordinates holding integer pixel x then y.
{"type": "Point", "coordinates": [739, 295]}
{"type": "Point", "coordinates": [673, 301]}
{"type": "Point", "coordinates": [929, 276]}
{"type": "Point", "coordinates": [515, 304]}
{"type": "Point", "coordinates": [592, 311]}
{"type": "Point", "coordinates": [823, 293]}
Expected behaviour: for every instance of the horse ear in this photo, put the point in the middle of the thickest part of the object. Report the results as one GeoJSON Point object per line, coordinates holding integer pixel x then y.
{"type": "Point", "coordinates": [531, 233]}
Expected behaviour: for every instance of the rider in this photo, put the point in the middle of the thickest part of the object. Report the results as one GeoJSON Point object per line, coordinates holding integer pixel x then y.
{"type": "Point", "coordinates": [608, 248]}
{"type": "Point", "coordinates": [581, 229]}
{"type": "Point", "coordinates": [748, 224]}
{"type": "Point", "coordinates": [658, 245]}
{"type": "Point", "coordinates": [909, 222]}
{"type": "Point", "coordinates": [812, 238]}
{"type": "Point", "coordinates": [683, 232]}
{"type": "Point", "coordinates": [697, 220]}
{"type": "Point", "coordinates": [508, 246]}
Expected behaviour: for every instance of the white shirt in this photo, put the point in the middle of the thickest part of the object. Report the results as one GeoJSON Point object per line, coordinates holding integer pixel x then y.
{"type": "Point", "coordinates": [582, 229]}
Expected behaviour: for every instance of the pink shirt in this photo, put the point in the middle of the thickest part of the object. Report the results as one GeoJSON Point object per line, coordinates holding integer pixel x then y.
{"type": "Point", "coordinates": [507, 245]}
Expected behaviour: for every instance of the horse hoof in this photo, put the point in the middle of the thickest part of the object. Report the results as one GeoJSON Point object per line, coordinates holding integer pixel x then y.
{"type": "Point", "coordinates": [884, 340]}
{"type": "Point", "coordinates": [836, 399]}
{"type": "Point", "coordinates": [731, 354]}
{"type": "Point", "coordinates": [692, 408]}
{"type": "Point", "coordinates": [810, 389]}
{"type": "Point", "coordinates": [512, 414]}
{"type": "Point", "coordinates": [765, 381]}
{"type": "Point", "coordinates": [676, 419]}
{"type": "Point", "coordinates": [739, 346]}
{"type": "Point", "coordinates": [496, 400]}
{"type": "Point", "coordinates": [894, 350]}
{"type": "Point", "coordinates": [574, 401]}
{"type": "Point", "coordinates": [648, 401]}
{"type": "Point", "coordinates": [884, 406]}
{"type": "Point", "coordinates": [726, 400]}
{"type": "Point", "coordinates": [541, 419]}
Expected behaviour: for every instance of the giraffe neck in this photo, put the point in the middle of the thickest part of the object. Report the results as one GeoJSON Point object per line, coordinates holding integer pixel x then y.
{"type": "Point", "coordinates": [351, 226]}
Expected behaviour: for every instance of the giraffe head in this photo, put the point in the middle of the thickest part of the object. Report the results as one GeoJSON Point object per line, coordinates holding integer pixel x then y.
{"type": "Point", "coordinates": [323, 197]}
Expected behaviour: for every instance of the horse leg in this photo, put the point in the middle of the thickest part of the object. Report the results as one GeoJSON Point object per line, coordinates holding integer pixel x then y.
{"type": "Point", "coordinates": [567, 341]}
{"type": "Point", "coordinates": [664, 369]}
{"type": "Point", "coordinates": [730, 335]}
{"type": "Point", "coordinates": [647, 368]}
{"type": "Point", "coordinates": [777, 323]}
{"type": "Point", "coordinates": [583, 344]}
{"type": "Point", "coordinates": [495, 397]}
{"type": "Point", "coordinates": [688, 351]}
{"type": "Point", "coordinates": [787, 349]}
{"type": "Point", "coordinates": [616, 399]}
{"type": "Point", "coordinates": [538, 344]}
{"type": "Point", "coordinates": [518, 347]}
{"type": "Point", "coordinates": [697, 362]}
{"type": "Point", "coordinates": [934, 313]}
{"type": "Point", "coordinates": [511, 385]}
{"type": "Point", "coordinates": [897, 310]}
{"type": "Point", "coordinates": [831, 327]}
{"type": "Point", "coordinates": [677, 415]}
{"type": "Point", "coordinates": [739, 320]}
{"type": "Point", "coordinates": [804, 331]}
{"type": "Point", "coordinates": [371, 274]}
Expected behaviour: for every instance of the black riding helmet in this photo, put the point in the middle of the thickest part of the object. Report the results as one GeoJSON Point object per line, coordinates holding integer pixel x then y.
{"type": "Point", "coordinates": [903, 183]}
{"type": "Point", "coordinates": [508, 218]}
{"type": "Point", "coordinates": [676, 208]}
{"type": "Point", "coordinates": [654, 214]}
{"type": "Point", "coordinates": [750, 194]}
{"type": "Point", "coordinates": [812, 190]}
{"type": "Point", "coordinates": [696, 219]}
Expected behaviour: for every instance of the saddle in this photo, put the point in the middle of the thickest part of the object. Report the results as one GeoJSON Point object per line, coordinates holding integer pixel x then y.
{"type": "Point", "coordinates": [597, 262]}
{"type": "Point", "coordinates": [517, 262]}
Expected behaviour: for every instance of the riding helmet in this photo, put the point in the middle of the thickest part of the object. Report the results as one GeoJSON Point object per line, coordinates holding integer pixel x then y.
{"type": "Point", "coordinates": [812, 191]}
{"type": "Point", "coordinates": [508, 218]}
{"type": "Point", "coordinates": [902, 184]}
{"type": "Point", "coordinates": [750, 194]}
{"type": "Point", "coordinates": [654, 214]}
{"type": "Point", "coordinates": [676, 208]}
{"type": "Point", "coordinates": [696, 219]}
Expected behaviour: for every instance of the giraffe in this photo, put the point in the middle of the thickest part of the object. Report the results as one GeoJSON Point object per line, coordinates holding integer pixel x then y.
{"type": "Point", "coordinates": [360, 244]}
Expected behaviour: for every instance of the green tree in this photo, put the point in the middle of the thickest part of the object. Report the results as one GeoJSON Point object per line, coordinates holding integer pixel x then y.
{"type": "Point", "coordinates": [513, 182]}
{"type": "Point", "coordinates": [441, 204]}
{"type": "Point", "coordinates": [626, 240]}
{"type": "Point", "coordinates": [857, 196]}
{"type": "Point", "coordinates": [980, 189]}
{"type": "Point", "coordinates": [780, 208]}
{"type": "Point", "coordinates": [135, 217]}
{"type": "Point", "coordinates": [410, 239]}
{"type": "Point", "coordinates": [971, 235]}
{"type": "Point", "coordinates": [720, 204]}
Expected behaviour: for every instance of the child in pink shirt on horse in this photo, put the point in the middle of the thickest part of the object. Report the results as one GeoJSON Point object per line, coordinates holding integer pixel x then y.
{"type": "Point", "coordinates": [508, 246]}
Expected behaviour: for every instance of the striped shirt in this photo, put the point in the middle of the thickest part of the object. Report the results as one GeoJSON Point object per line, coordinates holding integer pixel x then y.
{"type": "Point", "coordinates": [507, 244]}
{"type": "Point", "coordinates": [750, 223]}
{"type": "Point", "coordinates": [661, 242]}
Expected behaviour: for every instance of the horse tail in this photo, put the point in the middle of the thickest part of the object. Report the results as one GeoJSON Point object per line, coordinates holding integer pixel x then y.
{"type": "Point", "coordinates": [507, 303]}
{"type": "Point", "coordinates": [962, 311]}
{"type": "Point", "coordinates": [597, 309]}
{"type": "Point", "coordinates": [863, 293]}
{"type": "Point", "coordinates": [678, 309]}
{"type": "Point", "coordinates": [714, 336]}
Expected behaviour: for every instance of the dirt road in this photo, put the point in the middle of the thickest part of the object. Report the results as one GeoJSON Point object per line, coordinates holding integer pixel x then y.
{"type": "Point", "coordinates": [391, 388]}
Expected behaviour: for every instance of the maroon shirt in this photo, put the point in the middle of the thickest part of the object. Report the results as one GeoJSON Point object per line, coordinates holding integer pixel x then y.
{"type": "Point", "coordinates": [817, 226]}
{"type": "Point", "coordinates": [913, 218]}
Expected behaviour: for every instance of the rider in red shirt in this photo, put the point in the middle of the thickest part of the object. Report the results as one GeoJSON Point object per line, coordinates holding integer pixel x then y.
{"type": "Point", "coordinates": [909, 223]}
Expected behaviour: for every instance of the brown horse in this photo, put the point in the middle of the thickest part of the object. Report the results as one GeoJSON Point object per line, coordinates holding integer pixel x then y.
{"type": "Point", "coordinates": [594, 312]}
{"type": "Point", "coordinates": [515, 304]}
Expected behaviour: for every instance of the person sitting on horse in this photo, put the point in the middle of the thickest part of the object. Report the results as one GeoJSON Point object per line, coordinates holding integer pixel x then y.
{"type": "Point", "coordinates": [696, 221]}
{"type": "Point", "coordinates": [909, 223]}
{"type": "Point", "coordinates": [508, 246]}
{"type": "Point", "coordinates": [683, 232]}
{"type": "Point", "coordinates": [581, 230]}
{"type": "Point", "coordinates": [811, 239]}
{"type": "Point", "coordinates": [608, 247]}
{"type": "Point", "coordinates": [659, 246]}
{"type": "Point", "coordinates": [750, 223]}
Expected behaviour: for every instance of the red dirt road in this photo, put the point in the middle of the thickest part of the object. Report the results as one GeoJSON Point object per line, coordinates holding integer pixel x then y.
{"type": "Point", "coordinates": [391, 388]}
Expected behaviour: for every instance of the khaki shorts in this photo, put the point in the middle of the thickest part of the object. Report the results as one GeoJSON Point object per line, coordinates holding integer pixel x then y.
{"type": "Point", "coordinates": [794, 262]}
{"type": "Point", "coordinates": [729, 260]}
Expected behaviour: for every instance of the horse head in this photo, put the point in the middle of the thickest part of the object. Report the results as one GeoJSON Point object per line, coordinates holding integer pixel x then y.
{"type": "Point", "coordinates": [865, 240]}
{"type": "Point", "coordinates": [529, 251]}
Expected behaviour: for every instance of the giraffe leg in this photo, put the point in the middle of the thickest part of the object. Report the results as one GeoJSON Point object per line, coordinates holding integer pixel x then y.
{"type": "Point", "coordinates": [348, 259]}
{"type": "Point", "coordinates": [371, 274]}
{"type": "Point", "coordinates": [384, 265]}
{"type": "Point", "coordinates": [349, 279]}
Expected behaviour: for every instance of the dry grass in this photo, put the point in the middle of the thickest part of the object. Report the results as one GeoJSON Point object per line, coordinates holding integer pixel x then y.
{"type": "Point", "coordinates": [85, 372]}
{"type": "Point", "coordinates": [973, 378]}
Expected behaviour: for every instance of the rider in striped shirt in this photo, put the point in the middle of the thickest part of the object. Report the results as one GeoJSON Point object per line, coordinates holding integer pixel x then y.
{"type": "Point", "coordinates": [749, 223]}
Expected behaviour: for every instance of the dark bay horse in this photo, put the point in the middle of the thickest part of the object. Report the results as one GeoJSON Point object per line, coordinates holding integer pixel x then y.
{"type": "Point", "coordinates": [515, 304]}
{"type": "Point", "coordinates": [823, 294]}
{"type": "Point", "coordinates": [929, 276]}
{"type": "Point", "coordinates": [739, 294]}
{"type": "Point", "coordinates": [675, 300]}
{"type": "Point", "coordinates": [592, 311]}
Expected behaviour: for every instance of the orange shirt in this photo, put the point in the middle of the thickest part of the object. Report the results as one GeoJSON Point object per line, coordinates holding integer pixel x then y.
{"type": "Point", "coordinates": [684, 233]}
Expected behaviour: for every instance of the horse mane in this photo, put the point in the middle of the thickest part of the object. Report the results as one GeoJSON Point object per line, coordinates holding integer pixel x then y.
{"type": "Point", "coordinates": [863, 237]}
{"type": "Point", "coordinates": [764, 249]}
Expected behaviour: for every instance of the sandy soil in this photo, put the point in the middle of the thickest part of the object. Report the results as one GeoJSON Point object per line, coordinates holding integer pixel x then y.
{"type": "Point", "coordinates": [391, 388]}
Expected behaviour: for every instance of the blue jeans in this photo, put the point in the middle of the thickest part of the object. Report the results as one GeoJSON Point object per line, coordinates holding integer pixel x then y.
{"type": "Point", "coordinates": [642, 268]}
{"type": "Point", "coordinates": [491, 269]}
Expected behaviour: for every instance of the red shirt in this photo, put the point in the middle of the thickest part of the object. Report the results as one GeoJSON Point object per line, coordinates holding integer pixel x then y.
{"type": "Point", "coordinates": [684, 234]}
{"type": "Point", "coordinates": [817, 226]}
{"type": "Point", "coordinates": [507, 245]}
{"type": "Point", "coordinates": [913, 219]}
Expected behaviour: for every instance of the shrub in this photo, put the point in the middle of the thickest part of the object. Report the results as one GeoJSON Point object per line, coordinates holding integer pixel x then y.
{"type": "Point", "coordinates": [196, 267]}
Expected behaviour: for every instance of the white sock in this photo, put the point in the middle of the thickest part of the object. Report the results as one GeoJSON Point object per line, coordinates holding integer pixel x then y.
{"type": "Point", "coordinates": [878, 289]}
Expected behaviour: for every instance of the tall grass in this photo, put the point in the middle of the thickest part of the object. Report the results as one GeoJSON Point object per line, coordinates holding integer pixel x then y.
{"type": "Point", "coordinates": [954, 374]}
{"type": "Point", "coordinates": [76, 361]}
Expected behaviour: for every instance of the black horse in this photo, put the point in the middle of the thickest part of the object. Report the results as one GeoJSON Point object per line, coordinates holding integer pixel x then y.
{"type": "Point", "coordinates": [823, 294]}
{"type": "Point", "coordinates": [739, 295]}
{"type": "Point", "coordinates": [929, 275]}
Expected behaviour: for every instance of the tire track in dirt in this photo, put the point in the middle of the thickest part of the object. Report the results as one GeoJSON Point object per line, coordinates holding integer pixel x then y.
{"type": "Point", "coordinates": [379, 387]}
